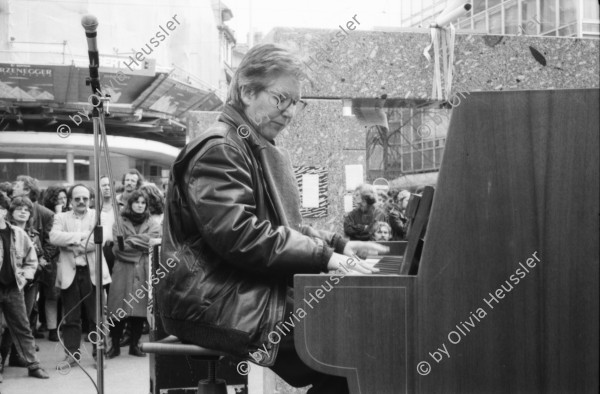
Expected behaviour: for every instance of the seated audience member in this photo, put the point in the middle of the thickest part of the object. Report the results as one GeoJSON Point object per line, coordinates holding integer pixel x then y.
{"type": "Point", "coordinates": [131, 274]}
{"type": "Point", "coordinates": [380, 231]}
{"type": "Point", "coordinates": [18, 263]}
{"type": "Point", "coordinates": [358, 222]}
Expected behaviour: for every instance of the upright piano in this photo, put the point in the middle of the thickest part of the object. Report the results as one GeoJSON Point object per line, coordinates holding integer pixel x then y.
{"type": "Point", "coordinates": [503, 295]}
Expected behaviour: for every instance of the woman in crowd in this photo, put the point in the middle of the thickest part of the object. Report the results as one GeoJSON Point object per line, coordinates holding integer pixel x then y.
{"type": "Point", "coordinates": [55, 199]}
{"type": "Point", "coordinates": [130, 273]}
{"type": "Point", "coordinates": [156, 202]}
{"type": "Point", "coordinates": [20, 212]}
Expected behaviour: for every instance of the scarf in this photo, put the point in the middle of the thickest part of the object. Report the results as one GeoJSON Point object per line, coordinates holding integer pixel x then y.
{"type": "Point", "coordinates": [276, 168]}
{"type": "Point", "coordinates": [136, 218]}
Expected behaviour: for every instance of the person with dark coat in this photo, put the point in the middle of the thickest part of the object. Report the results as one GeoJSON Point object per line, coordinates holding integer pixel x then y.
{"type": "Point", "coordinates": [18, 264]}
{"type": "Point", "coordinates": [128, 297]}
{"type": "Point", "coordinates": [357, 224]}
{"type": "Point", "coordinates": [233, 235]}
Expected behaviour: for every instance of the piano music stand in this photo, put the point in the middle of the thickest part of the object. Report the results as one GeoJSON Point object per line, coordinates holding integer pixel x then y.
{"type": "Point", "coordinates": [418, 210]}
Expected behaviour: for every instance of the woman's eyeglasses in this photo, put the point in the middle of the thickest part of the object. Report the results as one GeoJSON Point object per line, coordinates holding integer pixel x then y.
{"type": "Point", "coordinates": [282, 102]}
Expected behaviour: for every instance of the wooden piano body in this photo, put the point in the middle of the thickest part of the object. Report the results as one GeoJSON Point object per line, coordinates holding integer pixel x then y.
{"type": "Point", "coordinates": [519, 181]}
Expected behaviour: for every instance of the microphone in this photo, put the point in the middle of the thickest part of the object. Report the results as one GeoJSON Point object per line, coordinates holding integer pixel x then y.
{"type": "Point", "coordinates": [90, 24]}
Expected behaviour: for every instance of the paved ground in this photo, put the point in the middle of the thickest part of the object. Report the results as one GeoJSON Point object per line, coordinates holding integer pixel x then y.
{"type": "Point", "coordinates": [123, 375]}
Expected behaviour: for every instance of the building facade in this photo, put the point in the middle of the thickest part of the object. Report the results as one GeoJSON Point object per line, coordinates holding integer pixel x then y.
{"type": "Point", "coordinates": [158, 64]}
{"type": "Point", "coordinates": [558, 18]}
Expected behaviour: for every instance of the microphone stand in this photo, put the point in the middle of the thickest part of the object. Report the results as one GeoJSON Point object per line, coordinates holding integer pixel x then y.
{"type": "Point", "coordinates": [99, 131]}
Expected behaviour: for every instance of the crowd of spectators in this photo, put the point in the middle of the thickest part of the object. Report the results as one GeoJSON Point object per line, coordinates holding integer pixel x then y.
{"type": "Point", "coordinates": [379, 215]}
{"type": "Point", "coordinates": [47, 266]}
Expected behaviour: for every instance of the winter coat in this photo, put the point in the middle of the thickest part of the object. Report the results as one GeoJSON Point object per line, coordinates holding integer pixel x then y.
{"type": "Point", "coordinates": [22, 253]}
{"type": "Point", "coordinates": [229, 257]}
{"type": "Point", "coordinates": [130, 278]}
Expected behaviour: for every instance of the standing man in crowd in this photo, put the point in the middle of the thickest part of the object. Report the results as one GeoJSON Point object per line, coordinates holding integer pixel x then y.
{"type": "Point", "coordinates": [233, 220]}
{"type": "Point", "coordinates": [358, 222]}
{"type": "Point", "coordinates": [18, 263]}
{"type": "Point", "coordinates": [72, 233]}
{"type": "Point", "coordinates": [109, 210]}
{"type": "Point", "coordinates": [132, 180]}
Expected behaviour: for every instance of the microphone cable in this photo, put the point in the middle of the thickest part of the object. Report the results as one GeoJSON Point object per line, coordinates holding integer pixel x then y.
{"type": "Point", "coordinates": [65, 316]}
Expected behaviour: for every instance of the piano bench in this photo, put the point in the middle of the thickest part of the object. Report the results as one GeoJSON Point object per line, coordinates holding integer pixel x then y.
{"type": "Point", "coordinates": [172, 346]}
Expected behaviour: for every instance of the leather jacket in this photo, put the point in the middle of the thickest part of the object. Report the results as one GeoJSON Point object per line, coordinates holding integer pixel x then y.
{"type": "Point", "coordinates": [227, 256]}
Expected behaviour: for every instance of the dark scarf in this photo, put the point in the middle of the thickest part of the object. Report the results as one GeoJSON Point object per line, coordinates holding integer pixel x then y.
{"type": "Point", "coordinates": [135, 218]}
{"type": "Point", "coordinates": [276, 168]}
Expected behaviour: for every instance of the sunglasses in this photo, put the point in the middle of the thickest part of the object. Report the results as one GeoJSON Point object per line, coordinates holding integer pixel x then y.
{"type": "Point", "coordinates": [84, 199]}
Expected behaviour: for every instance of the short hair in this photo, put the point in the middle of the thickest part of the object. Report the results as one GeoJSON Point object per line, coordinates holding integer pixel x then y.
{"type": "Point", "coordinates": [51, 196]}
{"type": "Point", "coordinates": [365, 188]}
{"type": "Point", "coordinates": [19, 202]}
{"type": "Point", "coordinates": [156, 200]}
{"type": "Point", "coordinates": [6, 188]}
{"type": "Point", "coordinates": [4, 202]}
{"type": "Point", "coordinates": [30, 184]}
{"type": "Point", "coordinates": [70, 192]}
{"type": "Point", "coordinates": [259, 67]}
{"type": "Point", "coordinates": [134, 172]}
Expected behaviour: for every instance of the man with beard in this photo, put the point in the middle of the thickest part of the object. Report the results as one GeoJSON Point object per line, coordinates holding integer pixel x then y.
{"type": "Point", "coordinates": [132, 180]}
{"type": "Point", "coordinates": [359, 221]}
{"type": "Point", "coordinates": [72, 232]}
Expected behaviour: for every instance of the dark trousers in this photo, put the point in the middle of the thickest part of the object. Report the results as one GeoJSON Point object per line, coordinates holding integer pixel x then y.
{"type": "Point", "coordinates": [7, 342]}
{"type": "Point", "coordinates": [12, 304]}
{"type": "Point", "coordinates": [71, 297]}
{"type": "Point", "coordinates": [110, 260]}
{"type": "Point", "coordinates": [135, 324]}
{"type": "Point", "coordinates": [290, 368]}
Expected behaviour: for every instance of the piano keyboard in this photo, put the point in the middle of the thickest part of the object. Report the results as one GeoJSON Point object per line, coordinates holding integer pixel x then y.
{"type": "Point", "coordinates": [388, 265]}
